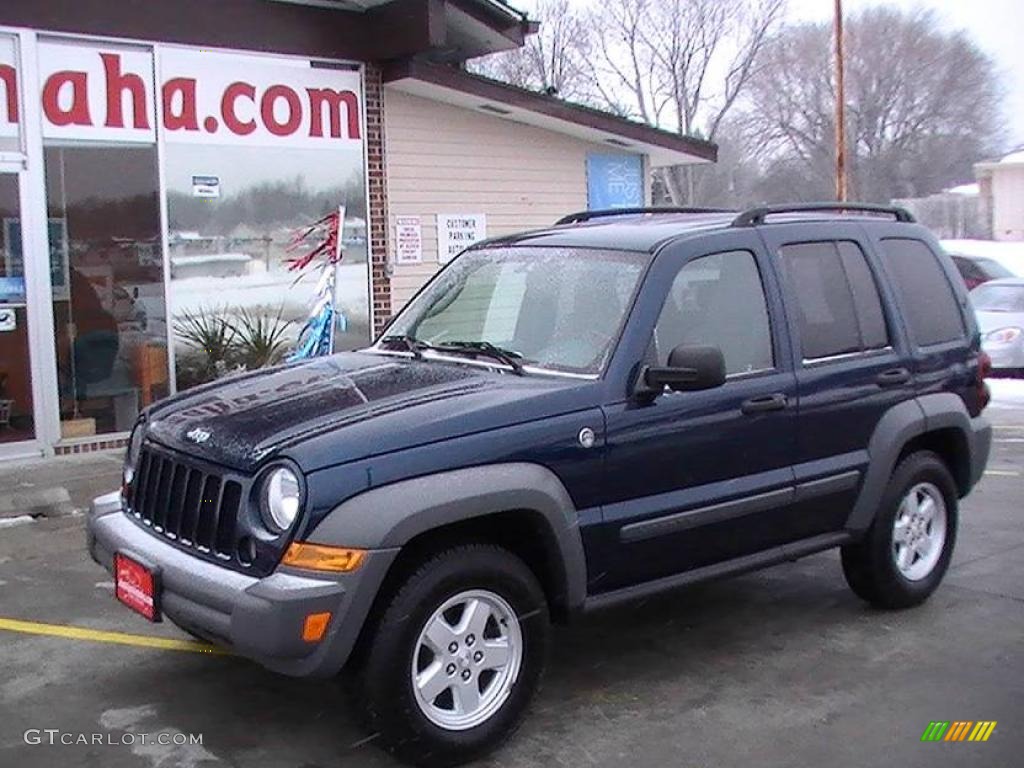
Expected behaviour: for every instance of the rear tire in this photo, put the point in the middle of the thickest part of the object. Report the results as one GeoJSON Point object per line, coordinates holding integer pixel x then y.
{"type": "Point", "coordinates": [906, 551]}
{"type": "Point", "coordinates": [455, 658]}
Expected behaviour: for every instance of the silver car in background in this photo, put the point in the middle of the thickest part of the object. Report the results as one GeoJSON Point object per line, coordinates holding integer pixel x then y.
{"type": "Point", "coordinates": [999, 305]}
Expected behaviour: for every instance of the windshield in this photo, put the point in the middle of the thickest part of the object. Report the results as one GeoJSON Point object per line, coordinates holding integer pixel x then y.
{"type": "Point", "coordinates": [998, 298]}
{"type": "Point", "coordinates": [554, 308]}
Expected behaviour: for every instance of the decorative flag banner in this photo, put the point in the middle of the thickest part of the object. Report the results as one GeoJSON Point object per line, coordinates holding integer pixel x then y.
{"type": "Point", "coordinates": [317, 336]}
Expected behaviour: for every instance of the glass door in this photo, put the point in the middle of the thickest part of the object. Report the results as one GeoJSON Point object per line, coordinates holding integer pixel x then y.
{"type": "Point", "coordinates": [17, 412]}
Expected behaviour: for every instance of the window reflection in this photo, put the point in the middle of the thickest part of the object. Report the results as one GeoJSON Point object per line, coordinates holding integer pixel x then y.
{"type": "Point", "coordinates": [232, 212]}
{"type": "Point", "coordinates": [107, 276]}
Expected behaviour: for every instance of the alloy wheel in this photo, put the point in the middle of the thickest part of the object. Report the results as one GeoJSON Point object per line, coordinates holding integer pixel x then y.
{"type": "Point", "coordinates": [466, 659]}
{"type": "Point", "coordinates": [919, 531]}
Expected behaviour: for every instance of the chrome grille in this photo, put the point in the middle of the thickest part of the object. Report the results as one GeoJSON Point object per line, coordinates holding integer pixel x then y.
{"type": "Point", "coordinates": [192, 506]}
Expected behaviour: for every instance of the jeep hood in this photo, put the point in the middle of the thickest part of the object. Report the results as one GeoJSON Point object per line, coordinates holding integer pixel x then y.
{"type": "Point", "coordinates": [354, 405]}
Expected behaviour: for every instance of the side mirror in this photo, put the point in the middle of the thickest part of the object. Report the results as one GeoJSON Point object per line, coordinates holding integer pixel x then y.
{"type": "Point", "coordinates": [689, 369]}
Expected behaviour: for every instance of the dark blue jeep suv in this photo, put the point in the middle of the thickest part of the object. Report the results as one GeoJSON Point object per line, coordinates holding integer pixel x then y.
{"type": "Point", "coordinates": [627, 402]}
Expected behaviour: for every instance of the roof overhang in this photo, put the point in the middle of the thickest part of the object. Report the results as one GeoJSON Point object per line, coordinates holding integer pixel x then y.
{"type": "Point", "coordinates": [444, 30]}
{"type": "Point", "coordinates": [460, 88]}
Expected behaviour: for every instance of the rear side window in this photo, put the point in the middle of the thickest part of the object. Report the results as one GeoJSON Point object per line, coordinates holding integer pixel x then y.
{"type": "Point", "coordinates": [866, 301]}
{"type": "Point", "coordinates": [839, 308]}
{"type": "Point", "coordinates": [926, 296]}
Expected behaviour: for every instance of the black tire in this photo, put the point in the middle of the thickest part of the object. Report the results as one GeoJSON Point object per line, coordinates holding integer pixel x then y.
{"type": "Point", "coordinates": [384, 696]}
{"type": "Point", "coordinates": [870, 566]}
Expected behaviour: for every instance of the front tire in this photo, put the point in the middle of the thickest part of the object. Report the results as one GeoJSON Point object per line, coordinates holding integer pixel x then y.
{"type": "Point", "coordinates": [456, 656]}
{"type": "Point", "coordinates": [906, 552]}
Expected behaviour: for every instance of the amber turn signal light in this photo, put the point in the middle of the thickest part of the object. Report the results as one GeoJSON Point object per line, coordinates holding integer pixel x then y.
{"type": "Point", "coordinates": [315, 627]}
{"type": "Point", "coordinates": [319, 557]}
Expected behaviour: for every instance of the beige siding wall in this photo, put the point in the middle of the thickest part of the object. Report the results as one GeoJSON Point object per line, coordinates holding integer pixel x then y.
{"type": "Point", "coordinates": [1008, 203]}
{"type": "Point", "coordinates": [445, 159]}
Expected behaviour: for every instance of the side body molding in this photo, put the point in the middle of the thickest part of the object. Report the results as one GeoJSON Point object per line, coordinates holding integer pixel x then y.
{"type": "Point", "coordinates": [390, 516]}
{"type": "Point", "coordinates": [900, 425]}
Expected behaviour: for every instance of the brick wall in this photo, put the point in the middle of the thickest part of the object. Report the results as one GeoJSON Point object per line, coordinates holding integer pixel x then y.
{"type": "Point", "coordinates": [377, 189]}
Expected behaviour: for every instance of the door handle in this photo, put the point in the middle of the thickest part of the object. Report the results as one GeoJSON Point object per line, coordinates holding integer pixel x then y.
{"type": "Point", "coordinates": [764, 403]}
{"type": "Point", "coordinates": [893, 378]}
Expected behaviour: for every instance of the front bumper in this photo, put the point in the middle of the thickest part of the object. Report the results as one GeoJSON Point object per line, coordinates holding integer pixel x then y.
{"type": "Point", "coordinates": [259, 618]}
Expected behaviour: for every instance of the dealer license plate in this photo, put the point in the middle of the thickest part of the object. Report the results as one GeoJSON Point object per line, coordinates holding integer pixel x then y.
{"type": "Point", "coordinates": [137, 586]}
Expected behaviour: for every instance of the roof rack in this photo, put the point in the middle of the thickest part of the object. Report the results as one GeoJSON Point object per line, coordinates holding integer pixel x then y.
{"type": "Point", "coordinates": [581, 216]}
{"type": "Point", "coordinates": [755, 216]}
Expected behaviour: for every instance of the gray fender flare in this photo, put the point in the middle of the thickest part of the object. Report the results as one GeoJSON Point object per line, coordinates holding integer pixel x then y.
{"type": "Point", "coordinates": [390, 516]}
{"type": "Point", "coordinates": [901, 424]}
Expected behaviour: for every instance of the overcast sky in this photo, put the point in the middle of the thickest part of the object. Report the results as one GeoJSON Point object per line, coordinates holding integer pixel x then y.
{"type": "Point", "coordinates": [996, 25]}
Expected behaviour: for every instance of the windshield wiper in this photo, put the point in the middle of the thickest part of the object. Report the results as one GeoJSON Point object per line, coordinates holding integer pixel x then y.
{"type": "Point", "coordinates": [411, 343]}
{"type": "Point", "coordinates": [507, 356]}
{"type": "Point", "coordinates": [475, 348]}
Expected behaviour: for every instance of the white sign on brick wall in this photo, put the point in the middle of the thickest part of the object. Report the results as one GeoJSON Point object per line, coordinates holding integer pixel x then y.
{"type": "Point", "coordinates": [458, 231]}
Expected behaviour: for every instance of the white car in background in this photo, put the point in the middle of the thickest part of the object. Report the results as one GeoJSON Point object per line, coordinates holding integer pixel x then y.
{"type": "Point", "coordinates": [1008, 254]}
{"type": "Point", "coordinates": [999, 305]}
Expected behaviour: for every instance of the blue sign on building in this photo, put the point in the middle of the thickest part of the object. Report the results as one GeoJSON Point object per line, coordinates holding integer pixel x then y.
{"type": "Point", "coordinates": [12, 289]}
{"type": "Point", "coordinates": [615, 181]}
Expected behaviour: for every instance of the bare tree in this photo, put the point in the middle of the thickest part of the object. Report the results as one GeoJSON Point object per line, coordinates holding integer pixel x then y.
{"type": "Point", "coordinates": [679, 63]}
{"type": "Point", "coordinates": [553, 61]}
{"type": "Point", "coordinates": [922, 106]}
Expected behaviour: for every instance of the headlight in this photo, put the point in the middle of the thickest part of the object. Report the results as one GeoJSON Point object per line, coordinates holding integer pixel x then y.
{"type": "Point", "coordinates": [281, 499]}
{"type": "Point", "coordinates": [1004, 335]}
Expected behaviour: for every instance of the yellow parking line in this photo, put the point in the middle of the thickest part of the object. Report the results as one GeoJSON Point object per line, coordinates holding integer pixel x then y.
{"type": "Point", "coordinates": [101, 636]}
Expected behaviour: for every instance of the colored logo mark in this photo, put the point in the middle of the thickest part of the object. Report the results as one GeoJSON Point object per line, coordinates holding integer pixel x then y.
{"type": "Point", "coordinates": [958, 730]}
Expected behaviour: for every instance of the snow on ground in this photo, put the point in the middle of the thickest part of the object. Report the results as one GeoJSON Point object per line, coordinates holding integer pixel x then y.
{"type": "Point", "coordinates": [1007, 393]}
{"type": "Point", "coordinates": [270, 289]}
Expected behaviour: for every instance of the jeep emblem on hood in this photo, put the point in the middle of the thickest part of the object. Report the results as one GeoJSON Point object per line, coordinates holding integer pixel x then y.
{"type": "Point", "coordinates": [198, 435]}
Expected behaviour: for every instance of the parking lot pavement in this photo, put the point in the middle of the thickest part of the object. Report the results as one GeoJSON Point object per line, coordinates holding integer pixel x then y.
{"type": "Point", "coordinates": [781, 668]}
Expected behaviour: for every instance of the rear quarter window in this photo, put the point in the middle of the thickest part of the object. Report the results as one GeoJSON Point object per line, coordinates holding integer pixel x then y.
{"type": "Point", "coordinates": [926, 296]}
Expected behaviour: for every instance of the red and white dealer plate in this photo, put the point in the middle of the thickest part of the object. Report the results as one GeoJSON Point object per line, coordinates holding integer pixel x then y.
{"type": "Point", "coordinates": [137, 586]}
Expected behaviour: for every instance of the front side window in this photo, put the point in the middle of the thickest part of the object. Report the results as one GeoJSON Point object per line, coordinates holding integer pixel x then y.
{"type": "Point", "coordinates": [839, 309]}
{"type": "Point", "coordinates": [718, 300]}
{"type": "Point", "coordinates": [554, 308]}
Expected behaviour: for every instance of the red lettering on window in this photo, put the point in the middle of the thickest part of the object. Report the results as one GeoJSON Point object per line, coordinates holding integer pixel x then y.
{"type": "Point", "coordinates": [186, 118]}
{"type": "Point", "coordinates": [320, 97]}
{"type": "Point", "coordinates": [9, 77]}
{"type": "Point", "coordinates": [78, 113]}
{"type": "Point", "coordinates": [291, 124]}
{"type": "Point", "coordinates": [227, 108]}
{"type": "Point", "coordinates": [117, 84]}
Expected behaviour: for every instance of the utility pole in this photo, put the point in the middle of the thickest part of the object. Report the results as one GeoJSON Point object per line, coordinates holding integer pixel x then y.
{"type": "Point", "coordinates": [841, 185]}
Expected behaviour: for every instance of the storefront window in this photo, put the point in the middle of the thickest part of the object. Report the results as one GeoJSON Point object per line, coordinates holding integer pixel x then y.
{"type": "Point", "coordinates": [201, 164]}
{"type": "Point", "coordinates": [227, 254]}
{"type": "Point", "coordinates": [257, 149]}
{"type": "Point", "coordinates": [102, 195]}
{"type": "Point", "coordinates": [16, 419]}
{"type": "Point", "coordinates": [108, 302]}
